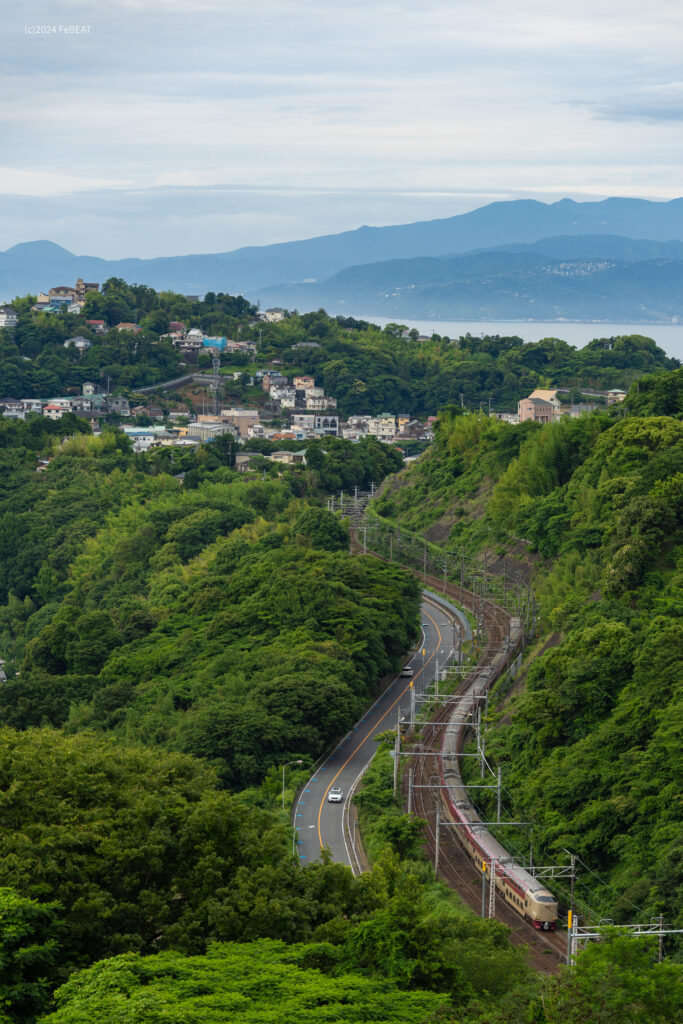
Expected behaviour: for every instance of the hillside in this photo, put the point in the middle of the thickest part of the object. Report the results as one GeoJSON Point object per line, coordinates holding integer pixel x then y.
{"type": "Point", "coordinates": [32, 266]}
{"type": "Point", "coordinates": [593, 508]}
{"type": "Point", "coordinates": [519, 285]}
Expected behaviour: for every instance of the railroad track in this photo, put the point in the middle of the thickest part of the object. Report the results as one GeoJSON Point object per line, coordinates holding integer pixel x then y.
{"type": "Point", "coordinates": [545, 950]}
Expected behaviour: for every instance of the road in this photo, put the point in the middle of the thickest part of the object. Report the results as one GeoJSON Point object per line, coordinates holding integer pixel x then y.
{"type": "Point", "coordinates": [319, 823]}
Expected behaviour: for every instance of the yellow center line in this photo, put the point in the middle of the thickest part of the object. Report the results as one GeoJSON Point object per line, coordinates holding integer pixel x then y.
{"type": "Point", "coordinates": [378, 722]}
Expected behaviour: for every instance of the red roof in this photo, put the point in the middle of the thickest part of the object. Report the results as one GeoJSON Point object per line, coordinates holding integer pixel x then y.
{"type": "Point", "coordinates": [94, 321]}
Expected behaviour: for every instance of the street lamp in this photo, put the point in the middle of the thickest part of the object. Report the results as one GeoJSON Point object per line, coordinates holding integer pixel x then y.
{"type": "Point", "coordinates": [299, 761]}
{"type": "Point", "coordinates": [425, 627]}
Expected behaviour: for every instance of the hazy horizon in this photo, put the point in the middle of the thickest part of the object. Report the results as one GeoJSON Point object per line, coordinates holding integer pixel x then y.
{"type": "Point", "coordinates": [153, 128]}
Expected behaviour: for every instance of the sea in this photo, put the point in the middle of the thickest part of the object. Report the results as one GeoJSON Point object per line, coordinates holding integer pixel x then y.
{"type": "Point", "coordinates": [667, 336]}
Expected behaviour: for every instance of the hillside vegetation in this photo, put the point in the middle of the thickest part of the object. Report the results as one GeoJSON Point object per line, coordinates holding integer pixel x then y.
{"type": "Point", "coordinates": [589, 748]}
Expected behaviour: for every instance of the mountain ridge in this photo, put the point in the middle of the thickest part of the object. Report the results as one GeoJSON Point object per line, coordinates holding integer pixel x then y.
{"type": "Point", "coordinates": [256, 271]}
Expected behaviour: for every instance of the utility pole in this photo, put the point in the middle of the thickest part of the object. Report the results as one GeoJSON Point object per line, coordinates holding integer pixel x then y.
{"type": "Point", "coordinates": [410, 790]}
{"type": "Point", "coordinates": [444, 573]}
{"type": "Point", "coordinates": [661, 937]}
{"type": "Point", "coordinates": [436, 679]}
{"type": "Point", "coordinates": [424, 564]}
{"type": "Point", "coordinates": [499, 794]}
{"type": "Point", "coordinates": [483, 889]}
{"type": "Point", "coordinates": [492, 889]}
{"type": "Point", "coordinates": [365, 538]}
{"type": "Point", "coordinates": [397, 750]}
{"type": "Point", "coordinates": [570, 915]}
{"type": "Point", "coordinates": [412, 704]}
{"type": "Point", "coordinates": [436, 844]}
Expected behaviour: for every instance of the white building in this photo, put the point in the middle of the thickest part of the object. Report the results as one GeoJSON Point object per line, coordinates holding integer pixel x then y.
{"type": "Point", "coordinates": [382, 426]}
{"type": "Point", "coordinates": [274, 315]}
{"type": "Point", "coordinates": [8, 316]}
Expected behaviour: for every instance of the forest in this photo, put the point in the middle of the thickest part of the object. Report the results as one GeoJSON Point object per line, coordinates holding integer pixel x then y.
{"type": "Point", "coordinates": [169, 644]}
{"type": "Point", "coordinates": [591, 509]}
{"type": "Point", "coordinates": [367, 369]}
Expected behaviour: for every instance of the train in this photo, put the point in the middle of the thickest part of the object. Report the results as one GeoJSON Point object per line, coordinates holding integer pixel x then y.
{"type": "Point", "coordinates": [516, 886]}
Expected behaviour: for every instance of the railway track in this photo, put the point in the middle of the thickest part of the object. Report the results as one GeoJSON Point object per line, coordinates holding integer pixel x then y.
{"type": "Point", "coordinates": [545, 950]}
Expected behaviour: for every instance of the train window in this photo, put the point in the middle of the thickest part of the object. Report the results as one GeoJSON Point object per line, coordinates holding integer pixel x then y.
{"type": "Point", "coordinates": [545, 899]}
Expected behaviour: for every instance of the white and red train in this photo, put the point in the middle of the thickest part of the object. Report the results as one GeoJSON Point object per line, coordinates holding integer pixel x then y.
{"type": "Point", "coordinates": [517, 887]}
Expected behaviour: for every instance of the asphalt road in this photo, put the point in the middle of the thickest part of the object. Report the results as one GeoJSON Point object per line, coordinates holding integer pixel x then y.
{"type": "Point", "coordinates": [319, 823]}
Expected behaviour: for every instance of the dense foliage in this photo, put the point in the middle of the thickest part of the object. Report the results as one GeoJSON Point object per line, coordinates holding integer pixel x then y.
{"type": "Point", "coordinates": [587, 748]}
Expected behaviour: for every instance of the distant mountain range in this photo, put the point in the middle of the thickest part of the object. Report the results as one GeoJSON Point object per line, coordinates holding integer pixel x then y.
{"type": "Point", "coordinates": [615, 259]}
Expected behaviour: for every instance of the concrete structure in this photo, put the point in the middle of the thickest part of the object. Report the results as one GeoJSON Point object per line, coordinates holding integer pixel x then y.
{"type": "Point", "coordinates": [53, 411]}
{"type": "Point", "coordinates": [83, 287]}
{"type": "Point", "coordinates": [241, 419]}
{"type": "Point", "coordinates": [382, 426]}
{"type": "Point", "coordinates": [318, 423]}
{"type": "Point", "coordinates": [536, 409]}
{"type": "Point", "coordinates": [547, 395]}
{"type": "Point", "coordinates": [615, 395]}
{"type": "Point", "coordinates": [303, 383]}
{"type": "Point", "coordinates": [12, 408]}
{"type": "Point", "coordinates": [208, 431]}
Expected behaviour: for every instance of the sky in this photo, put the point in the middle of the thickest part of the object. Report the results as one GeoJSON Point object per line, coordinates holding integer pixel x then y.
{"type": "Point", "coordinates": [161, 127]}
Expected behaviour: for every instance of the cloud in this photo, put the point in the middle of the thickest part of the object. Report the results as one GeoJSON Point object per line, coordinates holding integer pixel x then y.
{"type": "Point", "coordinates": [661, 102]}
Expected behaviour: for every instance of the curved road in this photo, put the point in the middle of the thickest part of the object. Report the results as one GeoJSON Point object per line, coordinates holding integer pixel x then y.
{"type": "Point", "coordinates": [319, 823]}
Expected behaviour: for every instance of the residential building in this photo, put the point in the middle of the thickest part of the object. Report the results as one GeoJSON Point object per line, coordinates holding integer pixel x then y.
{"type": "Point", "coordinates": [78, 342]}
{"type": "Point", "coordinates": [98, 326]}
{"type": "Point", "coordinates": [8, 316]}
{"type": "Point", "coordinates": [315, 403]}
{"type": "Point", "coordinates": [76, 308]}
{"type": "Point", "coordinates": [128, 327]}
{"type": "Point", "coordinates": [89, 388]}
{"type": "Point", "coordinates": [547, 395]}
{"type": "Point", "coordinates": [32, 405]}
{"type": "Point", "coordinates": [210, 342]}
{"type": "Point", "coordinates": [241, 419]}
{"type": "Point", "coordinates": [53, 411]}
{"type": "Point", "coordinates": [382, 426]}
{"type": "Point", "coordinates": [176, 325]}
{"type": "Point", "coordinates": [307, 344]}
{"type": "Point", "coordinates": [537, 409]}
{"type": "Point", "coordinates": [62, 295]}
{"type": "Point", "coordinates": [272, 377]}
{"type": "Point", "coordinates": [402, 419]}
{"type": "Point", "coordinates": [244, 460]}
{"type": "Point", "coordinates": [615, 395]}
{"type": "Point", "coordinates": [317, 423]}
{"type": "Point", "coordinates": [118, 404]}
{"type": "Point", "coordinates": [290, 458]}
{"type": "Point", "coordinates": [274, 315]}
{"type": "Point", "coordinates": [83, 287]}
{"type": "Point", "coordinates": [12, 408]}
{"type": "Point", "coordinates": [303, 383]}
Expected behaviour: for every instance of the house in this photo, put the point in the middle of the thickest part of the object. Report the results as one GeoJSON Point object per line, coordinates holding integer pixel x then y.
{"type": "Point", "coordinates": [274, 315]}
{"type": "Point", "coordinates": [142, 439]}
{"type": "Point", "coordinates": [290, 458]}
{"type": "Point", "coordinates": [176, 326]}
{"type": "Point", "coordinates": [89, 388]}
{"type": "Point", "coordinates": [78, 342]}
{"type": "Point", "coordinates": [76, 308]}
{"type": "Point", "coordinates": [615, 395]}
{"type": "Point", "coordinates": [402, 419]}
{"type": "Point", "coordinates": [118, 404]}
{"type": "Point", "coordinates": [8, 316]}
{"type": "Point", "coordinates": [12, 408]}
{"type": "Point", "coordinates": [155, 412]}
{"type": "Point", "coordinates": [32, 405]}
{"type": "Point", "coordinates": [547, 396]}
{"type": "Point", "coordinates": [53, 411]}
{"type": "Point", "coordinates": [98, 326]}
{"type": "Point", "coordinates": [307, 344]}
{"type": "Point", "coordinates": [244, 460]}
{"type": "Point", "coordinates": [90, 415]}
{"type": "Point", "coordinates": [128, 327]}
{"type": "Point", "coordinates": [382, 426]}
{"type": "Point", "coordinates": [537, 409]}
{"type": "Point", "coordinates": [303, 383]}
{"type": "Point", "coordinates": [62, 295]}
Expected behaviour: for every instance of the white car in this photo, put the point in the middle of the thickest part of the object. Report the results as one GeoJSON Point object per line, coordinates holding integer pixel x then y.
{"type": "Point", "coordinates": [335, 796]}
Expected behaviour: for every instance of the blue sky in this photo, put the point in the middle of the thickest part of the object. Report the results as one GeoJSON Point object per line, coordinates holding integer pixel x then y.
{"type": "Point", "coordinates": [172, 127]}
